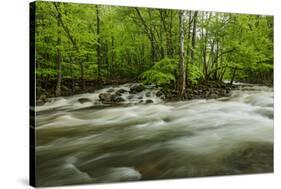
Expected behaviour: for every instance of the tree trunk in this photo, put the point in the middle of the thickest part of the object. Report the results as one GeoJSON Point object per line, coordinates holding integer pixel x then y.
{"type": "Point", "coordinates": [182, 71]}
{"type": "Point", "coordinates": [98, 44]}
{"type": "Point", "coordinates": [216, 61]}
{"type": "Point", "coordinates": [112, 57]}
{"type": "Point", "coordinates": [82, 75]}
{"type": "Point", "coordinates": [188, 43]}
{"type": "Point", "coordinates": [58, 57]}
{"type": "Point", "coordinates": [193, 36]}
{"type": "Point", "coordinates": [150, 34]}
{"type": "Point", "coordinates": [233, 75]}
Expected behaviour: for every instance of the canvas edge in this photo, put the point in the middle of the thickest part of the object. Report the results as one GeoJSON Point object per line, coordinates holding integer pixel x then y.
{"type": "Point", "coordinates": [32, 95]}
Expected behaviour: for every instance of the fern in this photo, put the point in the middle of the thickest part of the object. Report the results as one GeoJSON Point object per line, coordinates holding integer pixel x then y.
{"type": "Point", "coordinates": [162, 73]}
{"type": "Point", "coordinates": [193, 74]}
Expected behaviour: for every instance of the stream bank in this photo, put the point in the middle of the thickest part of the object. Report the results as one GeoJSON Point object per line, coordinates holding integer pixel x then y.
{"type": "Point", "coordinates": [204, 90]}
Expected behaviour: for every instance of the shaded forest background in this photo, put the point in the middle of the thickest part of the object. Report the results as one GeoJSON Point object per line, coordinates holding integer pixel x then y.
{"type": "Point", "coordinates": [82, 47]}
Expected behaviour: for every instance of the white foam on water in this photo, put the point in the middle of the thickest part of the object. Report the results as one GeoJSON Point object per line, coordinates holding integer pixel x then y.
{"type": "Point", "coordinates": [115, 143]}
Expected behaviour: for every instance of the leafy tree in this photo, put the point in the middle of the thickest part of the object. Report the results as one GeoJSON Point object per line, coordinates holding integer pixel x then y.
{"type": "Point", "coordinates": [79, 46]}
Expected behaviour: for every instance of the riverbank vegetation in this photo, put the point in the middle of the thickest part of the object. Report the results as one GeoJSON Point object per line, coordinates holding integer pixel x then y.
{"type": "Point", "coordinates": [82, 47]}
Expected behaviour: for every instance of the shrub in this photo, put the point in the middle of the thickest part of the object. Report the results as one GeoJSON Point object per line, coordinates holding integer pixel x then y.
{"type": "Point", "coordinates": [162, 73]}
{"type": "Point", "coordinates": [193, 74]}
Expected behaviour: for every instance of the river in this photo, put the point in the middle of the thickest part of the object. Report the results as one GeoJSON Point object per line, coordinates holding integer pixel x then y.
{"type": "Point", "coordinates": [79, 143]}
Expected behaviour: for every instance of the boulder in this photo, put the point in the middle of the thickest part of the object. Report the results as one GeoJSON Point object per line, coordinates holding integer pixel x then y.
{"type": "Point", "coordinates": [105, 97]}
{"type": "Point", "coordinates": [120, 92]}
{"type": "Point", "coordinates": [84, 100]}
{"type": "Point", "coordinates": [76, 88]}
{"type": "Point", "coordinates": [130, 97]}
{"type": "Point", "coordinates": [137, 88]}
{"type": "Point", "coordinates": [148, 94]}
{"type": "Point", "coordinates": [110, 90]}
{"type": "Point", "coordinates": [149, 101]}
{"type": "Point", "coordinates": [116, 98]}
{"type": "Point", "coordinates": [213, 95]}
{"type": "Point", "coordinates": [159, 93]}
{"type": "Point", "coordinates": [64, 88]}
{"type": "Point", "coordinates": [43, 98]}
{"type": "Point", "coordinates": [108, 98]}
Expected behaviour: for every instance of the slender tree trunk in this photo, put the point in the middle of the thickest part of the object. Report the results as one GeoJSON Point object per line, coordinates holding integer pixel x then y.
{"type": "Point", "coordinates": [106, 58]}
{"type": "Point", "coordinates": [71, 71]}
{"type": "Point", "coordinates": [216, 59]}
{"type": "Point", "coordinates": [188, 49]}
{"type": "Point", "coordinates": [188, 37]}
{"type": "Point", "coordinates": [58, 57]}
{"type": "Point", "coordinates": [98, 43]}
{"type": "Point", "coordinates": [182, 71]}
{"type": "Point", "coordinates": [82, 74]}
{"type": "Point", "coordinates": [151, 36]}
{"type": "Point", "coordinates": [164, 15]}
{"type": "Point", "coordinates": [112, 57]}
{"type": "Point", "coordinates": [233, 75]}
{"type": "Point", "coordinates": [162, 52]}
{"type": "Point", "coordinates": [193, 36]}
{"type": "Point", "coordinates": [171, 49]}
{"type": "Point", "coordinates": [205, 36]}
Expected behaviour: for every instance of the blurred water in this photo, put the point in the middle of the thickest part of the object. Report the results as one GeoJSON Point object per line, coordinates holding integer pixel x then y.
{"type": "Point", "coordinates": [80, 143]}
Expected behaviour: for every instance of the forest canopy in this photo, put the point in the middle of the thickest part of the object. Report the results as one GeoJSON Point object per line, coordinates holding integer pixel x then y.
{"type": "Point", "coordinates": [82, 46]}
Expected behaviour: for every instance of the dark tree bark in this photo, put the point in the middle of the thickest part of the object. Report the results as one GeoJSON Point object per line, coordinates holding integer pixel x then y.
{"type": "Point", "coordinates": [233, 75]}
{"type": "Point", "coordinates": [171, 49]}
{"type": "Point", "coordinates": [193, 43]}
{"type": "Point", "coordinates": [82, 75]}
{"type": "Point", "coordinates": [58, 56]}
{"type": "Point", "coordinates": [112, 57]}
{"type": "Point", "coordinates": [188, 49]}
{"type": "Point", "coordinates": [188, 37]}
{"type": "Point", "coordinates": [182, 70]}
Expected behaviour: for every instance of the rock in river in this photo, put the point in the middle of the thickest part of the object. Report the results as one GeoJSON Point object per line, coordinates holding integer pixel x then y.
{"type": "Point", "coordinates": [136, 88]}
{"type": "Point", "coordinates": [84, 100]}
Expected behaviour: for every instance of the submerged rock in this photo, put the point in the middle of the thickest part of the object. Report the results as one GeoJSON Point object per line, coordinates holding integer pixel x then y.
{"type": "Point", "coordinates": [148, 94]}
{"type": "Point", "coordinates": [121, 91]}
{"type": "Point", "coordinates": [117, 98]}
{"type": "Point", "coordinates": [84, 100]}
{"type": "Point", "coordinates": [110, 90]}
{"type": "Point", "coordinates": [149, 101]}
{"type": "Point", "coordinates": [130, 97]}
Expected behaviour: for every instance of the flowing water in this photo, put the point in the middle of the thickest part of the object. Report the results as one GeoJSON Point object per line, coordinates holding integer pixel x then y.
{"type": "Point", "coordinates": [92, 143]}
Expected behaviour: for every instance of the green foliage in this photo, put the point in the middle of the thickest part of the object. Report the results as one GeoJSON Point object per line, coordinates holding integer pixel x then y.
{"type": "Point", "coordinates": [193, 74]}
{"type": "Point", "coordinates": [131, 40]}
{"type": "Point", "coordinates": [162, 73]}
{"type": "Point", "coordinates": [157, 77]}
{"type": "Point", "coordinates": [263, 67]}
{"type": "Point", "coordinates": [166, 65]}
